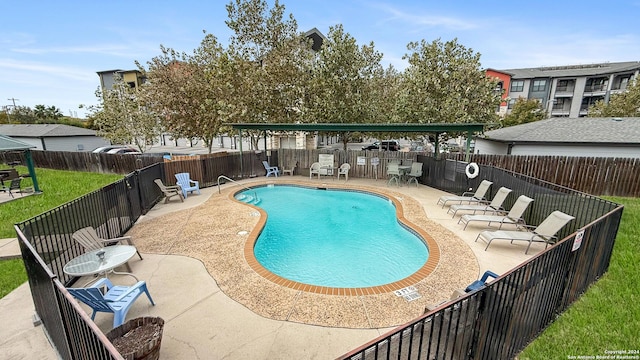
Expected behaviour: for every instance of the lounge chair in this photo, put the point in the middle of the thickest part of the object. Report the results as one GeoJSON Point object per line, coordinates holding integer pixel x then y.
{"type": "Point", "coordinates": [545, 232]}
{"type": "Point", "coordinates": [314, 169]}
{"type": "Point", "coordinates": [169, 191]}
{"type": "Point", "coordinates": [186, 184]}
{"type": "Point", "coordinates": [271, 170]}
{"type": "Point", "coordinates": [89, 239]}
{"type": "Point", "coordinates": [416, 172]}
{"type": "Point", "coordinates": [479, 284]}
{"type": "Point", "coordinates": [393, 172]}
{"type": "Point", "coordinates": [477, 197]}
{"type": "Point", "coordinates": [13, 187]}
{"type": "Point", "coordinates": [494, 206]}
{"type": "Point", "coordinates": [344, 170]}
{"type": "Point", "coordinates": [514, 216]}
{"type": "Point", "coordinates": [117, 300]}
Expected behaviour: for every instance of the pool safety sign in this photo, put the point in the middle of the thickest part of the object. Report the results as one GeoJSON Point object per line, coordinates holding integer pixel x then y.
{"type": "Point", "coordinates": [577, 241]}
{"type": "Point", "coordinates": [409, 293]}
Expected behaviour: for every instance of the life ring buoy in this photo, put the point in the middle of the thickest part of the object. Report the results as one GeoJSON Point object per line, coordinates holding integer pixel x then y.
{"type": "Point", "coordinates": [472, 170]}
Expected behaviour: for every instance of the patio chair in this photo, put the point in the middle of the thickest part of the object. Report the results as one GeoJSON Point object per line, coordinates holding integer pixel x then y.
{"type": "Point", "coordinates": [314, 169]}
{"type": "Point", "coordinates": [13, 187]}
{"type": "Point", "coordinates": [477, 197]}
{"type": "Point", "coordinates": [186, 184]}
{"type": "Point", "coordinates": [169, 191]}
{"type": "Point", "coordinates": [514, 216]}
{"type": "Point", "coordinates": [479, 284]}
{"type": "Point", "coordinates": [495, 206]}
{"type": "Point", "coordinates": [393, 172]}
{"type": "Point", "coordinates": [344, 170]}
{"type": "Point", "coordinates": [271, 170]}
{"type": "Point", "coordinates": [89, 239]}
{"type": "Point", "coordinates": [545, 232]}
{"type": "Point", "coordinates": [290, 170]}
{"type": "Point", "coordinates": [117, 299]}
{"type": "Point", "coordinates": [416, 172]}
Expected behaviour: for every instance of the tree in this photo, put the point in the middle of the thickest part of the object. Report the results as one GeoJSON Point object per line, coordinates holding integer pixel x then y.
{"type": "Point", "coordinates": [524, 111]}
{"type": "Point", "coordinates": [445, 84]}
{"type": "Point", "coordinates": [347, 81]}
{"type": "Point", "coordinates": [271, 60]}
{"type": "Point", "coordinates": [191, 92]}
{"type": "Point", "coordinates": [122, 117]}
{"type": "Point", "coordinates": [624, 104]}
{"type": "Point", "coordinates": [47, 114]}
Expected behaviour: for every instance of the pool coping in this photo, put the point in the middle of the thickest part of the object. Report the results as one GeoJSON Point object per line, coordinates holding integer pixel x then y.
{"type": "Point", "coordinates": [425, 270]}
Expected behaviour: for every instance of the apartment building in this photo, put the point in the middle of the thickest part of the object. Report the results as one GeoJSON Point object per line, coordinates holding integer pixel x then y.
{"type": "Point", "coordinates": [567, 91]}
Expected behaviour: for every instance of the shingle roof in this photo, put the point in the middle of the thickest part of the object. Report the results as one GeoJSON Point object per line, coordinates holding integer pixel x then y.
{"type": "Point", "coordinates": [44, 130]}
{"type": "Point", "coordinates": [7, 144]}
{"type": "Point", "coordinates": [573, 70]}
{"type": "Point", "coordinates": [572, 130]}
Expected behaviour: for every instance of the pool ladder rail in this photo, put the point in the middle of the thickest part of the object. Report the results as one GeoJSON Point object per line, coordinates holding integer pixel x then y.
{"type": "Point", "coordinates": [249, 199]}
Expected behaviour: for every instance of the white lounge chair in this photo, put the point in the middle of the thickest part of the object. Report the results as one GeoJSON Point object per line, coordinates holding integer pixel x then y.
{"type": "Point", "coordinates": [514, 216]}
{"type": "Point", "coordinates": [416, 172]}
{"type": "Point", "coordinates": [494, 206]}
{"type": "Point", "coordinates": [545, 232]}
{"type": "Point", "coordinates": [393, 172]}
{"type": "Point", "coordinates": [468, 197]}
{"type": "Point", "coordinates": [344, 170]}
{"type": "Point", "coordinates": [314, 169]}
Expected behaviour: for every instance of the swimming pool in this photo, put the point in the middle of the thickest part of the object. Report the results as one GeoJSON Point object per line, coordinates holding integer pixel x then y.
{"type": "Point", "coordinates": [334, 238]}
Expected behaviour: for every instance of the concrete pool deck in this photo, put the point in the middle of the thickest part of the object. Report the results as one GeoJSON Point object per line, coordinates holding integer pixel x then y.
{"type": "Point", "coordinates": [213, 314]}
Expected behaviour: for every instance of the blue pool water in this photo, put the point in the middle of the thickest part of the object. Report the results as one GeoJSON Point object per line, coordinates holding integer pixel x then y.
{"type": "Point", "coordinates": [334, 238]}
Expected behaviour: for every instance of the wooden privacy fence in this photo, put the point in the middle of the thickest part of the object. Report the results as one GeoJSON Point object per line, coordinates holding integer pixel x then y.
{"type": "Point", "coordinates": [596, 176]}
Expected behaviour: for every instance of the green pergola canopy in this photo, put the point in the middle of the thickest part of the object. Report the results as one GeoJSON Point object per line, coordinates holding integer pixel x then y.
{"type": "Point", "coordinates": [10, 144]}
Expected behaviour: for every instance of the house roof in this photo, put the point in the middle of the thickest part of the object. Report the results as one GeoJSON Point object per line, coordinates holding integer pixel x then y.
{"type": "Point", "coordinates": [572, 130]}
{"type": "Point", "coordinates": [44, 130]}
{"type": "Point", "coordinates": [9, 144]}
{"type": "Point", "coordinates": [573, 70]}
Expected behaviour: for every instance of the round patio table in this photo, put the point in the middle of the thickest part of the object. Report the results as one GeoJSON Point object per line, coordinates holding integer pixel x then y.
{"type": "Point", "coordinates": [101, 261]}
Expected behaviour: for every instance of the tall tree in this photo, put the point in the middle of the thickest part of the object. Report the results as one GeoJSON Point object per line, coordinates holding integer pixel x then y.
{"type": "Point", "coordinates": [343, 88]}
{"type": "Point", "coordinates": [271, 59]}
{"type": "Point", "coordinates": [524, 111]}
{"type": "Point", "coordinates": [122, 117]}
{"type": "Point", "coordinates": [624, 104]}
{"type": "Point", "coordinates": [445, 84]}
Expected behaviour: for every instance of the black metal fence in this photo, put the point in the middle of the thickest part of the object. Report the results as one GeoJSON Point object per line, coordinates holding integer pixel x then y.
{"type": "Point", "coordinates": [495, 322]}
{"type": "Point", "coordinates": [498, 321]}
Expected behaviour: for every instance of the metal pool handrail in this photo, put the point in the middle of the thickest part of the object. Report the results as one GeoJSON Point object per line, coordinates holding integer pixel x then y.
{"type": "Point", "coordinates": [243, 186]}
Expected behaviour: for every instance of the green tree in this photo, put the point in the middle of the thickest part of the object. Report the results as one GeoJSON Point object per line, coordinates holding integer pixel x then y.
{"type": "Point", "coordinates": [122, 116]}
{"type": "Point", "coordinates": [47, 114]}
{"type": "Point", "coordinates": [624, 104]}
{"type": "Point", "coordinates": [524, 111]}
{"type": "Point", "coordinates": [271, 60]}
{"type": "Point", "coordinates": [191, 92]}
{"type": "Point", "coordinates": [445, 84]}
{"type": "Point", "coordinates": [347, 82]}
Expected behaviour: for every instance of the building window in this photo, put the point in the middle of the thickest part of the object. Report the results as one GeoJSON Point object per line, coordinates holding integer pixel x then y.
{"type": "Point", "coordinates": [539, 85]}
{"type": "Point", "coordinates": [511, 103]}
{"type": "Point", "coordinates": [588, 101]}
{"type": "Point", "coordinates": [517, 85]}
{"type": "Point", "coordinates": [561, 104]}
{"type": "Point", "coordinates": [565, 85]}
{"type": "Point", "coordinates": [596, 84]}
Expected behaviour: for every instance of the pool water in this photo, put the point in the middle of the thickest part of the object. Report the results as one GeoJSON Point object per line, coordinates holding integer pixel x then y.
{"type": "Point", "coordinates": [334, 238]}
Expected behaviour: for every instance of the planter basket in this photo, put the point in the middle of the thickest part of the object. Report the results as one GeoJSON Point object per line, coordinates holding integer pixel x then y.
{"type": "Point", "coordinates": [151, 350]}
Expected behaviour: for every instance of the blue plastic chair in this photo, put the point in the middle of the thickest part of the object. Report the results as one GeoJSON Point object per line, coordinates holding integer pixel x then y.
{"type": "Point", "coordinates": [117, 299]}
{"type": "Point", "coordinates": [479, 284]}
{"type": "Point", "coordinates": [271, 170]}
{"type": "Point", "coordinates": [186, 184]}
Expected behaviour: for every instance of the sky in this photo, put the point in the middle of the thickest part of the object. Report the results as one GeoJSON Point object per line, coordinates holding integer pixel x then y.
{"type": "Point", "coordinates": [51, 51]}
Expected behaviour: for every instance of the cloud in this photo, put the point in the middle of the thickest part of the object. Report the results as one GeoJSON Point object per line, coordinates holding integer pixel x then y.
{"type": "Point", "coordinates": [425, 21]}
{"type": "Point", "coordinates": [10, 69]}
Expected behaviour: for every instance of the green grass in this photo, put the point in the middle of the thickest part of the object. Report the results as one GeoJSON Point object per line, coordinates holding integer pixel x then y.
{"type": "Point", "coordinates": [606, 316]}
{"type": "Point", "coordinates": [58, 187]}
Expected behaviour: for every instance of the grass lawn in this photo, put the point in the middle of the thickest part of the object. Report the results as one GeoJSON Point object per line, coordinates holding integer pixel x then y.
{"type": "Point", "coordinates": [606, 317]}
{"type": "Point", "coordinates": [58, 187]}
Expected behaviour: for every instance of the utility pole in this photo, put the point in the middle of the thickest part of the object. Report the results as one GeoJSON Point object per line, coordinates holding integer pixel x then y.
{"type": "Point", "coordinates": [7, 108]}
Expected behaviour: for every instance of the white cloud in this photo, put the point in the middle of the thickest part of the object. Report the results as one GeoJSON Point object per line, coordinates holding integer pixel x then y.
{"type": "Point", "coordinates": [425, 21]}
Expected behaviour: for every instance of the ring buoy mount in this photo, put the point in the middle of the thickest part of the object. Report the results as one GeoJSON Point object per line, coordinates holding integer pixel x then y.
{"type": "Point", "coordinates": [472, 170]}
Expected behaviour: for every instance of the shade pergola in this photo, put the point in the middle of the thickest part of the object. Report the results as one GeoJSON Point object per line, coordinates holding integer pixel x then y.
{"type": "Point", "coordinates": [429, 128]}
{"type": "Point", "coordinates": [9, 144]}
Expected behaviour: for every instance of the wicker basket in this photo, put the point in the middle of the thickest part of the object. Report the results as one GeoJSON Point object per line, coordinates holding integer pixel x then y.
{"type": "Point", "coordinates": [151, 351]}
